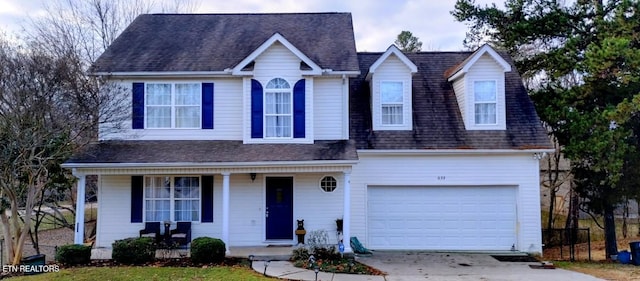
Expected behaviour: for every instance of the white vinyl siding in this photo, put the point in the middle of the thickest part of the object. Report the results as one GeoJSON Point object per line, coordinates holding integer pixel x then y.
{"type": "Point", "coordinates": [517, 169]}
{"type": "Point", "coordinates": [385, 114]}
{"type": "Point", "coordinates": [459, 89]}
{"type": "Point", "coordinates": [330, 107]}
{"type": "Point", "coordinates": [114, 211]}
{"type": "Point", "coordinates": [227, 114]}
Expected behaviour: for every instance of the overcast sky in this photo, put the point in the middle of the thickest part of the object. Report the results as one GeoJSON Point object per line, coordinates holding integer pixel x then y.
{"type": "Point", "coordinates": [376, 23]}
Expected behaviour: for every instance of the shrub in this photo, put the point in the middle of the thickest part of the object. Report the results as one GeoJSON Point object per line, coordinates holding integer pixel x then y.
{"type": "Point", "coordinates": [207, 250]}
{"type": "Point", "coordinates": [320, 247]}
{"type": "Point", "coordinates": [300, 254]}
{"type": "Point", "coordinates": [326, 253]}
{"type": "Point", "coordinates": [134, 250]}
{"type": "Point", "coordinates": [73, 254]}
{"type": "Point", "coordinates": [317, 239]}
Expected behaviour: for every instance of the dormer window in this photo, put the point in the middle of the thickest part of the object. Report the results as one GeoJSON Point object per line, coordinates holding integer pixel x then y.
{"type": "Point", "coordinates": [390, 78]}
{"type": "Point", "coordinates": [391, 101]}
{"type": "Point", "coordinates": [479, 85]}
{"type": "Point", "coordinates": [485, 101]}
{"type": "Point", "coordinates": [278, 108]}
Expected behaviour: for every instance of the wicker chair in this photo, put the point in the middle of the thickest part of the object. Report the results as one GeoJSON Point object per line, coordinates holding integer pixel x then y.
{"type": "Point", "coordinates": [182, 234]}
{"type": "Point", "coordinates": [151, 229]}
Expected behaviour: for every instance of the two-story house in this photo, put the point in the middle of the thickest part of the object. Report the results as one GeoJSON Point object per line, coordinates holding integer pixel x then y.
{"type": "Point", "coordinates": [245, 123]}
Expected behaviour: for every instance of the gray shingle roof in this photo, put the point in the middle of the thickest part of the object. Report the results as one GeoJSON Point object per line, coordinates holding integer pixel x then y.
{"type": "Point", "coordinates": [437, 121]}
{"type": "Point", "coordinates": [214, 42]}
{"type": "Point", "coordinates": [211, 152]}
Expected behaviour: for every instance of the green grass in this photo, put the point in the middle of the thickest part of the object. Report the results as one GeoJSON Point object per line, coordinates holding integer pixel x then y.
{"type": "Point", "coordinates": [605, 270]}
{"type": "Point", "coordinates": [49, 223]}
{"type": "Point", "coordinates": [148, 273]}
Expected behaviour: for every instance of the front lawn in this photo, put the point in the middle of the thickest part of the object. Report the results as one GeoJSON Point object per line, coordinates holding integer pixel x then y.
{"type": "Point", "coordinates": [126, 273]}
{"type": "Point", "coordinates": [604, 270]}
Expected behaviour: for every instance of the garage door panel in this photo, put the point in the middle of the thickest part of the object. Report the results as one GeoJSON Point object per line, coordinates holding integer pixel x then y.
{"type": "Point", "coordinates": [441, 218]}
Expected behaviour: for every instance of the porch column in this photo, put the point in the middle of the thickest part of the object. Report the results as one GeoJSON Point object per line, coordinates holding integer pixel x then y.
{"type": "Point", "coordinates": [225, 210]}
{"type": "Point", "coordinates": [78, 237]}
{"type": "Point", "coordinates": [346, 217]}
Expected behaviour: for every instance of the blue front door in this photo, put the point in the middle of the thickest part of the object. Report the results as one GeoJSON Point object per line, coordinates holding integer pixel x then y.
{"type": "Point", "coordinates": [279, 208]}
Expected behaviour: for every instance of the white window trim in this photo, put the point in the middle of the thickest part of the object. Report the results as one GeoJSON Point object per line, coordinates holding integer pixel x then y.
{"type": "Point", "coordinates": [172, 105]}
{"type": "Point", "coordinates": [172, 198]}
{"type": "Point", "coordinates": [320, 184]}
{"type": "Point", "coordinates": [265, 114]}
{"type": "Point", "coordinates": [496, 101]}
{"type": "Point", "coordinates": [403, 103]}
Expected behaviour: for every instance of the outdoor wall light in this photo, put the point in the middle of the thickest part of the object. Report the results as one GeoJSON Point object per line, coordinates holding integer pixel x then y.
{"type": "Point", "coordinates": [253, 176]}
{"type": "Point", "coordinates": [266, 264]}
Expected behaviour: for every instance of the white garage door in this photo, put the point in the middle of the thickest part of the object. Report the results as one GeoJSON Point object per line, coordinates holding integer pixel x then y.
{"type": "Point", "coordinates": [441, 218]}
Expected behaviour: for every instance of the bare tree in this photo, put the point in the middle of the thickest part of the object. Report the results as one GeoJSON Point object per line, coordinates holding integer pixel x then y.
{"type": "Point", "coordinates": [65, 42]}
{"type": "Point", "coordinates": [48, 108]}
{"type": "Point", "coordinates": [87, 27]}
{"type": "Point", "coordinates": [555, 174]}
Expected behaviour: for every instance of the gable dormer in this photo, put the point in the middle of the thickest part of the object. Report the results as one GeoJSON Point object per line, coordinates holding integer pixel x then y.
{"type": "Point", "coordinates": [390, 83]}
{"type": "Point", "coordinates": [479, 85]}
{"type": "Point", "coordinates": [279, 93]}
{"type": "Point", "coordinates": [305, 64]}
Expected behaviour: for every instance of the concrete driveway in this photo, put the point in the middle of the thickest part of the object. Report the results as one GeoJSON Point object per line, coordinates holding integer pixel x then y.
{"type": "Point", "coordinates": [404, 266]}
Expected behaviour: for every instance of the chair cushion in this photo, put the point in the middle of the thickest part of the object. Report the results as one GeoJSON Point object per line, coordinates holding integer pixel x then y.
{"type": "Point", "coordinates": [148, 235]}
{"type": "Point", "coordinates": [179, 235]}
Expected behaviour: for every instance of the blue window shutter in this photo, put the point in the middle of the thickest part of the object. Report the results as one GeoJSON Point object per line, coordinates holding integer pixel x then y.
{"type": "Point", "coordinates": [207, 199]}
{"type": "Point", "coordinates": [207, 105]}
{"type": "Point", "coordinates": [298, 109]}
{"type": "Point", "coordinates": [256, 109]}
{"type": "Point", "coordinates": [137, 183]}
{"type": "Point", "coordinates": [137, 121]}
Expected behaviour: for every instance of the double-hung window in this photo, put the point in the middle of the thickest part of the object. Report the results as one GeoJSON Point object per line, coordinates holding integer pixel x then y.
{"type": "Point", "coordinates": [485, 93]}
{"type": "Point", "coordinates": [278, 109]}
{"type": "Point", "coordinates": [172, 198]}
{"type": "Point", "coordinates": [169, 105]}
{"type": "Point", "coordinates": [391, 101]}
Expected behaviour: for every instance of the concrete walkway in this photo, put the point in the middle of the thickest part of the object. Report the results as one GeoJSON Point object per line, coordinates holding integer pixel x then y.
{"type": "Point", "coordinates": [406, 266]}
{"type": "Point", "coordinates": [286, 270]}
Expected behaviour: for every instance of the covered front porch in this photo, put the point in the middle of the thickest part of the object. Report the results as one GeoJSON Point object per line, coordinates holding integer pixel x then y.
{"type": "Point", "coordinates": [248, 205]}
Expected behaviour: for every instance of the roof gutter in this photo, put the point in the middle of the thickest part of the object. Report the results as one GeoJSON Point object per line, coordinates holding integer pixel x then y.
{"type": "Point", "coordinates": [211, 164]}
{"type": "Point", "coordinates": [350, 73]}
{"type": "Point", "coordinates": [456, 75]}
{"type": "Point", "coordinates": [396, 152]}
{"type": "Point", "coordinates": [162, 74]}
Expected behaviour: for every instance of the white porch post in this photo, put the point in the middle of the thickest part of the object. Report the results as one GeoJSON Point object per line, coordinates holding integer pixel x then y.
{"type": "Point", "coordinates": [78, 237]}
{"type": "Point", "coordinates": [225, 210]}
{"type": "Point", "coordinates": [346, 217]}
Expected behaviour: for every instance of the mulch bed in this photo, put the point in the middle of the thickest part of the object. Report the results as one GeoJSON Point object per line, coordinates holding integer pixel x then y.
{"type": "Point", "coordinates": [512, 258]}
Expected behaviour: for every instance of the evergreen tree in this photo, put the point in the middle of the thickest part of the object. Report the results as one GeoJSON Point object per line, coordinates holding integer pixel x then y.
{"type": "Point", "coordinates": [408, 43]}
{"type": "Point", "coordinates": [581, 63]}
